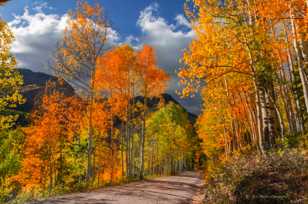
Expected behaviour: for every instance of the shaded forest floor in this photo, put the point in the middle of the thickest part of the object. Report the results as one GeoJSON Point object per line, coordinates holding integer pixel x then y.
{"type": "Point", "coordinates": [280, 177]}
{"type": "Point", "coordinates": [183, 189]}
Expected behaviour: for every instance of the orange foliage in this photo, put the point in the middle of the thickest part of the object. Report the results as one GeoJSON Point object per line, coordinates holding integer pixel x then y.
{"type": "Point", "coordinates": [153, 79]}
{"type": "Point", "coordinates": [240, 50]}
{"type": "Point", "coordinates": [122, 73]}
{"type": "Point", "coordinates": [56, 122]}
{"type": "Point", "coordinates": [115, 76]}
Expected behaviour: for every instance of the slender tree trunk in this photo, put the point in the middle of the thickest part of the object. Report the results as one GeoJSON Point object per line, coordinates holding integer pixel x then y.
{"type": "Point", "coordinates": [284, 92]}
{"type": "Point", "coordinates": [111, 148]}
{"type": "Point", "coordinates": [122, 150]}
{"type": "Point", "coordinates": [252, 119]}
{"type": "Point", "coordinates": [90, 141]}
{"type": "Point", "coordinates": [288, 109]}
{"type": "Point", "coordinates": [142, 136]}
{"type": "Point", "coordinates": [90, 170]}
{"type": "Point", "coordinates": [260, 112]}
{"type": "Point", "coordinates": [300, 59]}
{"type": "Point", "coordinates": [127, 135]}
{"type": "Point", "coordinates": [298, 114]}
{"type": "Point", "coordinates": [132, 154]}
{"type": "Point", "coordinates": [226, 140]}
{"type": "Point", "coordinates": [50, 176]}
{"type": "Point", "coordinates": [279, 117]}
{"type": "Point", "coordinates": [259, 120]}
{"type": "Point", "coordinates": [61, 179]}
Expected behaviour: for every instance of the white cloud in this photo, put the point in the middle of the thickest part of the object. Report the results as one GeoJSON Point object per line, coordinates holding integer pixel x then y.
{"type": "Point", "coordinates": [37, 35]}
{"type": "Point", "coordinates": [40, 6]}
{"type": "Point", "coordinates": [113, 36]}
{"type": "Point", "coordinates": [182, 21]}
{"type": "Point", "coordinates": [132, 39]}
{"type": "Point", "coordinates": [168, 39]}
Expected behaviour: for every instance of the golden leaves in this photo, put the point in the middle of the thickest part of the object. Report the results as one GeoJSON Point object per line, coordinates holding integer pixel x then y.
{"type": "Point", "coordinates": [122, 69]}
{"type": "Point", "coordinates": [83, 42]}
{"type": "Point", "coordinates": [57, 120]}
{"type": "Point", "coordinates": [10, 79]}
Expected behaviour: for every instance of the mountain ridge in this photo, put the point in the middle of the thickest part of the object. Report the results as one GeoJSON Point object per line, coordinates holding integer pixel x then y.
{"type": "Point", "coordinates": [35, 82]}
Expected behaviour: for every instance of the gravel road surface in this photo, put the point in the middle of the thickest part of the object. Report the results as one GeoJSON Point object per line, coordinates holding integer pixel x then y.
{"type": "Point", "coordinates": [182, 189]}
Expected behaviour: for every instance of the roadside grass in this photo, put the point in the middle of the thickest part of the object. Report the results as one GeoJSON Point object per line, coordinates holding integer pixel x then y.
{"type": "Point", "coordinates": [280, 177]}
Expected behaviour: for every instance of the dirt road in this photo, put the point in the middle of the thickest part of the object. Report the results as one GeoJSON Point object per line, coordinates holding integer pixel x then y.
{"type": "Point", "coordinates": [182, 189]}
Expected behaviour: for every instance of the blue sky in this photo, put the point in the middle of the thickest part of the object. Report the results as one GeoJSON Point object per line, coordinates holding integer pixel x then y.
{"type": "Point", "coordinates": [122, 14]}
{"type": "Point", "coordinates": [38, 26]}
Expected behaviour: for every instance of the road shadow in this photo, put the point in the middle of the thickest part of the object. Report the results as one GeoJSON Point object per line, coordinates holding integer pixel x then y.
{"type": "Point", "coordinates": [168, 190]}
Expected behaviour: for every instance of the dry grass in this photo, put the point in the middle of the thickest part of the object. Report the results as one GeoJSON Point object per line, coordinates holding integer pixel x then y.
{"type": "Point", "coordinates": [281, 177]}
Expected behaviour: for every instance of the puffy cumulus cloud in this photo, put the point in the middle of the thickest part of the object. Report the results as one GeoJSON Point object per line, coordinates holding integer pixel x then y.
{"type": "Point", "coordinates": [37, 35]}
{"type": "Point", "coordinates": [40, 6]}
{"type": "Point", "coordinates": [182, 21]}
{"type": "Point", "coordinates": [169, 40]}
{"type": "Point", "coordinates": [113, 36]}
{"type": "Point", "coordinates": [133, 41]}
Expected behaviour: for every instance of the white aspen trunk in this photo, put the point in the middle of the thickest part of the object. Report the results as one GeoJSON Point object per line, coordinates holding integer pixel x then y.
{"type": "Point", "coordinates": [300, 59]}
{"type": "Point", "coordinates": [298, 120]}
{"type": "Point", "coordinates": [259, 121]}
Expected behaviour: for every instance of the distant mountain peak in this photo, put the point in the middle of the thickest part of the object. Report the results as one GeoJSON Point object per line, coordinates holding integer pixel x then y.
{"type": "Point", "coordinates": [34, 86]}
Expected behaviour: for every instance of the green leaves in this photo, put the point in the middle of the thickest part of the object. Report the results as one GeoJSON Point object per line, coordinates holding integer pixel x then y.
{"type": "Point", "coordinates": [11, 143]}
{"type": "Point", "coordinates": [10, 80]}
{"type": "Point", "coordinates": [169, 136]}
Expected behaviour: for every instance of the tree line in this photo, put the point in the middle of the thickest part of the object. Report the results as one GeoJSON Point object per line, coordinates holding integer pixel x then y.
{"type": "Point", "coordinates": [107, 133]}
{"type": "Point", "coordinates": [249, 59]}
